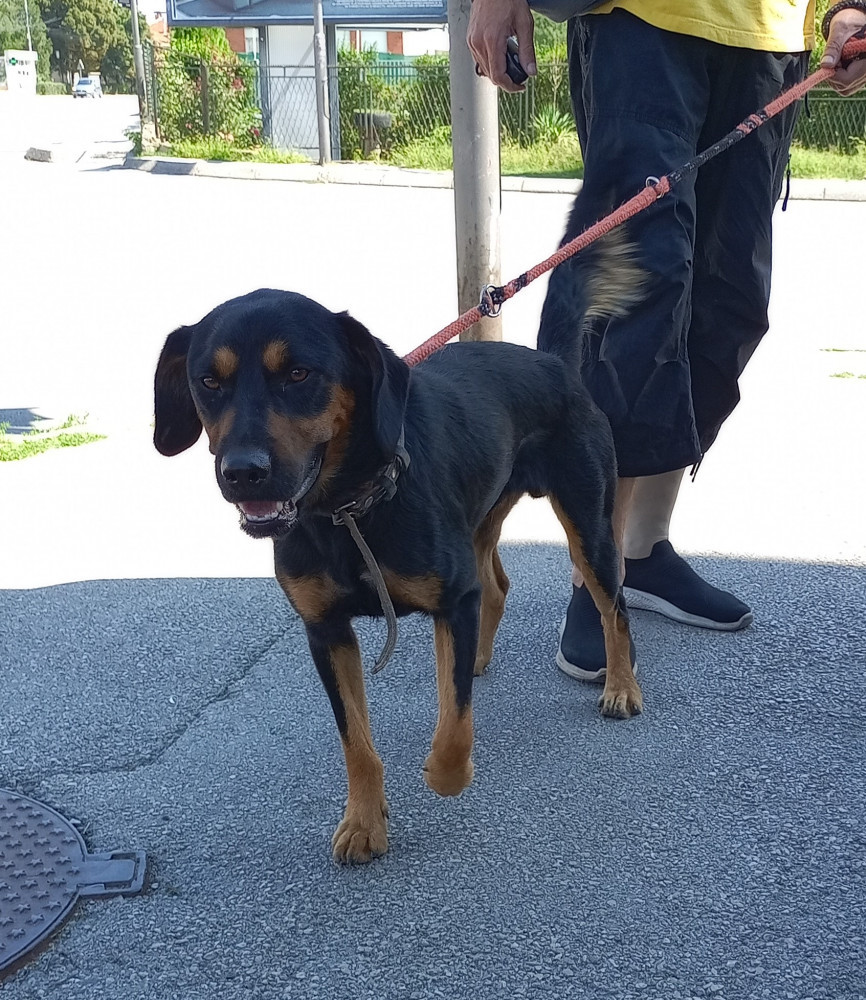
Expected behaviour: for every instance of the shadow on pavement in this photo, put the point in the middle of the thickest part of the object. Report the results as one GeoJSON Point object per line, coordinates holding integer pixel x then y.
{"type": "Point", "coordinates": [712, 847]}
{"type": "Point", "coordinates": [20, 421]}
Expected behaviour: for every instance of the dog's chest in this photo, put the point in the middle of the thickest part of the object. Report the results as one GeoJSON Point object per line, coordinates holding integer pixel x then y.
{"type": "Point", "coordinates": [317, 596]}
{"type": "Point", "coordinates": [321, 583]}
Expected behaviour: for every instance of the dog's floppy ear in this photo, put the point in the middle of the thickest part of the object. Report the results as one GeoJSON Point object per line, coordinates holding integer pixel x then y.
{"type": "Point", "coordinates": [389, 382]}
{"type": "Point", "coordinates": [177, 424]}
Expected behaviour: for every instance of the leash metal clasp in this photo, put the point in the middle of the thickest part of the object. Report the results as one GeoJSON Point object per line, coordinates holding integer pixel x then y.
{"type": "Point", "coordinates": [491, 301]}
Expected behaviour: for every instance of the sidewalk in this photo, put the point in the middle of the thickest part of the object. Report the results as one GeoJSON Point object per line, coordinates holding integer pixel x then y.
{"type": "Point", "coordinates": [802, 189]}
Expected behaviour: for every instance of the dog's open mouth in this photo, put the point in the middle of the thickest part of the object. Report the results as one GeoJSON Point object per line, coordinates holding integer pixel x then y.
{"type": "Point", "coordinates": [267, 511]}
{"type": "Point", "coordinates": [269, 518]}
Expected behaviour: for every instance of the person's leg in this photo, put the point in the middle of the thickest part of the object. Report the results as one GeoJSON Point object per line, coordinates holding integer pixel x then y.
{"type": "Point", "coordinates": [657, 578]}
{"type": "Point", "coordinates": [635, 117]}
{"type": "Point", "coordinates": [735, 195]}
{"type": "Point", "coordinates": [649, 519]}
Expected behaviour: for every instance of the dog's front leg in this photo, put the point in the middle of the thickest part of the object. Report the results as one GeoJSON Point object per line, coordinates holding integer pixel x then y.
{"type": "Point", "coordinates": [363, 832]}
{"type": "Point", "coordinates": [448, 769]}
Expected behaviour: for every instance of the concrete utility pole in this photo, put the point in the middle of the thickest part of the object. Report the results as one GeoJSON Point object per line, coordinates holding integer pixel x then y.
{"type": "Point", "coordinates": [475, 144]}
{"type": "Point", "coordinates": [27, 23]}
{"type": "Point", "coordinates": [138, 63]}
{"type": "Point", "coordinates": [323, 110]}
{"type": "Point", "coordinates": [146, 123]}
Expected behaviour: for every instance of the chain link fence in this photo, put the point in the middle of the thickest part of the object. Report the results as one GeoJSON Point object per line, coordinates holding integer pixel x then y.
{"type": "Point", "coordinates": [378, 106]}
{"type": "Point", "coordinates": [151, 83]}
{"type": "Point", "coordinates": [829, 121]}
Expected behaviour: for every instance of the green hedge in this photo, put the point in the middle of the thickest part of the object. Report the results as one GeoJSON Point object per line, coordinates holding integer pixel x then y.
{"type": "Point", "coordinates": [50, 87]}
{"type": "Point", "coordinates": [214, 97]}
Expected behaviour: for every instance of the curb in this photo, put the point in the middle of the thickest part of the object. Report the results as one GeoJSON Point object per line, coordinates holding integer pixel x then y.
{"type": "Point", "coordinates": [802, 189]}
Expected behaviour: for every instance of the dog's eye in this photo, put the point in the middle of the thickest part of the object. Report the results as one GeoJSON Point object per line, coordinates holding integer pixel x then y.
{"type": "Point", "coordinates": [298, 374]}
{"type": "Point", "coordinates": [209, 382]}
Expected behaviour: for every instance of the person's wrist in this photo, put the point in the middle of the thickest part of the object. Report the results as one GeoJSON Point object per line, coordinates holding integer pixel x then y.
{"type": "Point", "coordinates": [837, 9]}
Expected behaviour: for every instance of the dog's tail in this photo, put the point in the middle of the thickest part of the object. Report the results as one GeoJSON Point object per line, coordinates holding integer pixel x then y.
{"type": "Point", "coordinates": [604, 280]}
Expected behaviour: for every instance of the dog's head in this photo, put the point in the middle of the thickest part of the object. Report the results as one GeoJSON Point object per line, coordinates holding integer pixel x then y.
{"type": "Point", "coordinates": [299, 404]}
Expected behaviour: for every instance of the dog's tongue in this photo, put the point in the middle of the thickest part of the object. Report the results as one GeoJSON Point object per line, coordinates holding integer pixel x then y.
{"type": "Point", "coordinates": [260, 508]}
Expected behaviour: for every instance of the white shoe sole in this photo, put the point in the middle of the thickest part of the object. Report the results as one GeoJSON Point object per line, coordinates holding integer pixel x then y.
{"type": "Point", "coordinates": [644, 601]}
{"type": "Point", "coordinates": [593, 677]}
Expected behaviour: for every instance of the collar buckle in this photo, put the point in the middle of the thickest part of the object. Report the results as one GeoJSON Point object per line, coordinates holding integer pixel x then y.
{"type": "Point", "coordinates": [383, 487]}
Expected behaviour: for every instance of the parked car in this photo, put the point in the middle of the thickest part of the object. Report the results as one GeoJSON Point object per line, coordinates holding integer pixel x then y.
{"type": "Point", "coordinates": [87, 87]}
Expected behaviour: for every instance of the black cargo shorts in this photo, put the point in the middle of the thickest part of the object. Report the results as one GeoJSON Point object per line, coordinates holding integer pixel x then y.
{"type": "Point", "coordinates": [645, 101]}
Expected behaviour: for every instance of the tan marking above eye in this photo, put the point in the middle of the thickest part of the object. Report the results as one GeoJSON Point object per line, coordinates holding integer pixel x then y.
{"type": "Point", "coordinates": [275, 355]}
{"type": "Point", "coordinates": [225, 362]}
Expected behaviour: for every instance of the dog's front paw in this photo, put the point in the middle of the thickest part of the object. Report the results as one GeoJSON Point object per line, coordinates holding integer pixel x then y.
{"type": "Point", "coordinates": [448, 776]}
{"type": "Point", "coordinates": [362, 835]}
{"type": "Point", "coordinates": [622, 701]}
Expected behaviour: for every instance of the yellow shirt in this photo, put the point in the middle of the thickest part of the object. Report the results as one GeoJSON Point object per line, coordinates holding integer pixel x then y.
{"type": "Point", "coordinates": [765, 25]}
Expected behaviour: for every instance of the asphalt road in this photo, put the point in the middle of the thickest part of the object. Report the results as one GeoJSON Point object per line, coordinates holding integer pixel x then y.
{"type": "Point", "coordinates": [159, 690]}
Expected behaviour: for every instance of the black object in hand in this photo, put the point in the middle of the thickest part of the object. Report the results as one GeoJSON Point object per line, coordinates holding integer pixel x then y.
{"type": "Point", "coordinates": [516, 73]}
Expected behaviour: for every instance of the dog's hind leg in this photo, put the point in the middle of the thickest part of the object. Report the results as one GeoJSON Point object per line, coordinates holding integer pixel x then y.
{"type": "Point", "coordinates": [589, 530]}
{"type": "Point", "coordinates": [448, 769]}
{"type": "Point", "coordinates": [363, 832]}
{"type": "Point", "coordinates": [493, 579]}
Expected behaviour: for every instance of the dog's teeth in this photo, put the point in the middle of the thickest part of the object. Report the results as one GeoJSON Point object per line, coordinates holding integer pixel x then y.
{"type": "Point", "coordinates": [261, 511]}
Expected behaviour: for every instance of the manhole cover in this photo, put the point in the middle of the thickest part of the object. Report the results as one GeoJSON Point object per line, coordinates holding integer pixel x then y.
{"type": "Point", "coordinates": [44, 869]}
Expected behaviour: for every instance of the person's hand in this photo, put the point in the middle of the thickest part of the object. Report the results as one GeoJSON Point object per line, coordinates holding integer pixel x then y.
{"type": "Point", "coordinates": [852, 78]}
{"type": "Point", "coordinates": [491, 23]}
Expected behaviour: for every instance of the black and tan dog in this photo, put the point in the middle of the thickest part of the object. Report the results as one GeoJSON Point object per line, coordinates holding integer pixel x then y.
{"type": "Point", "coordinates": [307, 412]}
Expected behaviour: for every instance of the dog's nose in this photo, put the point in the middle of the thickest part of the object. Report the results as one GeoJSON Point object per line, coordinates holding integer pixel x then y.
{"type": "Point", "coordinates": [242, 467]}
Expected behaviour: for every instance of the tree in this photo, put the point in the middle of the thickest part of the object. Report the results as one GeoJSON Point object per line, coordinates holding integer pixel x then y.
{"type": "Point", "coordinates": [96, 33]}
{"type": "Point", "coordinates": [117, 66]}
{"type": "Point", "coordinates": [13, 33]}
{"type": "Point", "coordinates": [81, 31]}
{"type": "Point", "coordinates": [93, 29]}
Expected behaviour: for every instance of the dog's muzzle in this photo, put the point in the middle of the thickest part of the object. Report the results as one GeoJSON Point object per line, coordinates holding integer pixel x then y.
{"type": "Point", "coordinates": [269, 518]}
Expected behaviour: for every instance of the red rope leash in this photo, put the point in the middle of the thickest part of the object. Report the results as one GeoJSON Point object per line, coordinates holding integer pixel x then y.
{"type": "Point", "coordinates": [634, 205]}
{"type": "Point", "coordinates": [656, 188]}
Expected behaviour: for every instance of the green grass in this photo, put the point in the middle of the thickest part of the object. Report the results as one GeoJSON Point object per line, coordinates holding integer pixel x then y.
{"type": "Point", "coordinates": [559, 158]}
{"type": "Point", "coordinates": [217, 149]}
{"type": "Point", "coordinates": [845, 350]}
{"type": "Point", "coordinates": [433, 152]}
{"type": "Point", "coordinates": [821, 164]}
{"type": "Point", "coordinates": [562, 159]}
{"type": "Point", "coordinates": [35, 442]}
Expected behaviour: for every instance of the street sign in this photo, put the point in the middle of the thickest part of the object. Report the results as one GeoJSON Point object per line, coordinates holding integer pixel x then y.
{"type": "Point", "coordinates": [20, 71]}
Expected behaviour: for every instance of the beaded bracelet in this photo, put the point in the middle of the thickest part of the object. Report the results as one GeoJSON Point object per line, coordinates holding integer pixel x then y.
{"type": "Point", "coordinates": [834, 10]}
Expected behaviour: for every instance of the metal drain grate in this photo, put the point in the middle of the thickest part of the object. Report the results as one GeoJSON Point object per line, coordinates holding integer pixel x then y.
{"type": "Point", "coordinates": [44, 869]}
